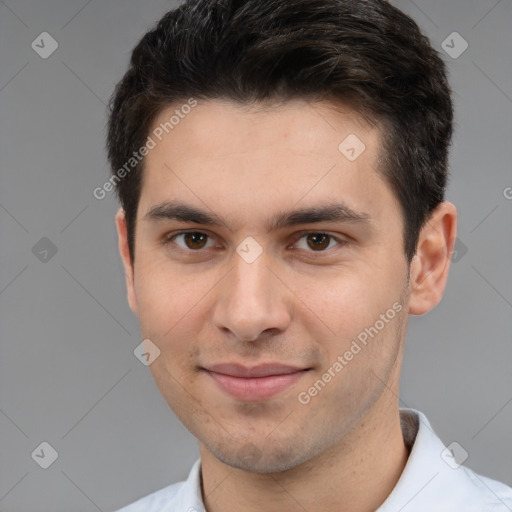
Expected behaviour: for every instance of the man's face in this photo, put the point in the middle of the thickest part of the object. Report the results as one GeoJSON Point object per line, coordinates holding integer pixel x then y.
{"type": "Point", "coordinates": [293, 296]}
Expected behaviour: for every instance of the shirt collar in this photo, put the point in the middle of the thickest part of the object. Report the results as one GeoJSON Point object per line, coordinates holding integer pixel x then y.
{"type": "Point", "coordinates": [431, 480]}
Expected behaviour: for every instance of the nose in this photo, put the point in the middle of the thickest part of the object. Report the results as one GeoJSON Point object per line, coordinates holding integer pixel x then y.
{"type": "Point", "coordinates": [252, 301]}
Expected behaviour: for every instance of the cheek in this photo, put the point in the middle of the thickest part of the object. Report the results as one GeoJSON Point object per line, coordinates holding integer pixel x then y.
{"type": "Point", "coordinates": [166, 297]}
{"type": "Point", "coordinates": [173, 308]}
{"type": "Point", "coordinates": [348, 307]}
{"type": "Point", "coordinates": [346, 299]}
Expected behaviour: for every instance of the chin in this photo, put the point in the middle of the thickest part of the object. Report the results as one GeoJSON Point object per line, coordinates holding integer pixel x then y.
{"type": "Point", "coordinates": [251, 458]}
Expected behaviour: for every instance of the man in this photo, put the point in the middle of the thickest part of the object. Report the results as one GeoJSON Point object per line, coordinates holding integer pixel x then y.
{"type": "Point", "coordinates": [281, 168]}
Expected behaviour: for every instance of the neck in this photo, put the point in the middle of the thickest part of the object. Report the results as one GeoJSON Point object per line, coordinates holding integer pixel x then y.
{"type": "Point", "coordinates": [356, 475]}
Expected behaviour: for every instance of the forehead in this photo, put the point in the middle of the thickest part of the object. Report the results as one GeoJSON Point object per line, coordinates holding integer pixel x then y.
{"type": "Point", "coordinates": [260, 155]}
{"type": "Point", "coordinates": [220, 127]}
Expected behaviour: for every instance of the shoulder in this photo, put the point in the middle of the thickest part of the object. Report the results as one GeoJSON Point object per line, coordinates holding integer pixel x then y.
{"type": "Point", "coordinates": [435, 479]}
{"type": "Point", "coordinates": [156, 501]}
{"type": "Point", "coordinates": [497, 496]}
{"type": "Point", "coordinates": [181, 496]}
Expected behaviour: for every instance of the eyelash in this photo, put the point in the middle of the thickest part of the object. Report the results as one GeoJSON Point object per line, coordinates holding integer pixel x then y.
{"type": "Point", "coordinates": [168, 239]}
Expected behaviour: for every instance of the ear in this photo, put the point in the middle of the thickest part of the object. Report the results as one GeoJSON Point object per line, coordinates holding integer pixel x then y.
{"type": "Point", "coordinates": [430, 265]}
{"type": "Point", "coordinates": [127, 262]}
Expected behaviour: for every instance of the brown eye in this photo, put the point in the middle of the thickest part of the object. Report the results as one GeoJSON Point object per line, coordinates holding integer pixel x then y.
{"type": "Point", "coordinates": [195, 240]}
{"type": "Point", "coordinates": [318, 241]}
{"type": "Point", "coordinates": [192, 240]}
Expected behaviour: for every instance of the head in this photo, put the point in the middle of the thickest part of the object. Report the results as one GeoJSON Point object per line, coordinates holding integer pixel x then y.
{"type": "Point", "coordinates": [304, 146]}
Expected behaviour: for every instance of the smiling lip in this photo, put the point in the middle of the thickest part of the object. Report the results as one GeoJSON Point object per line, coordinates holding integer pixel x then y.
{"type": "Point", "coordinates": [256, 383]}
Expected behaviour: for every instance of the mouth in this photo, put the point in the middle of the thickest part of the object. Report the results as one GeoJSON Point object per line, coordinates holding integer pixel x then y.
{"type": "Point", "coordinates": [257, 383]}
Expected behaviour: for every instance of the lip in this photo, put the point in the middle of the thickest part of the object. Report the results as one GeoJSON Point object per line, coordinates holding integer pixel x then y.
{"type": "Point", "coordinates": [257, 383]}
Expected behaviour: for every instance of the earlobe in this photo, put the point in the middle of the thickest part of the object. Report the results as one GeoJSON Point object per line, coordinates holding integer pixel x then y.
{"type": "Point", "coordinates": [431, 263]}
{"type": "Point", "coordinates": [126, 259]}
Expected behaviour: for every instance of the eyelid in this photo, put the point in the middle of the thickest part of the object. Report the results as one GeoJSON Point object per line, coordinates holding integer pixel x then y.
{"type": "Point", "coordinates": [341, 241]}
{"type": "Point", "coordinates": [168, 238]}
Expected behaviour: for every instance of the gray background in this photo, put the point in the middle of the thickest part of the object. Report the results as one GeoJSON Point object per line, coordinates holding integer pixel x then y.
{"type": "Point", "coordinates": [68, 375]}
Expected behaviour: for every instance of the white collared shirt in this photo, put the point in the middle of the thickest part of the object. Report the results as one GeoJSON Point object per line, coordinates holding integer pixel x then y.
{"type": "Point", "coordinates": [432, 481]}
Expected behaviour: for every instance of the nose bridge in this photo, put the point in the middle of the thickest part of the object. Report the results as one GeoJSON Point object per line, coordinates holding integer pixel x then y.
{"type": "Point", "coordinates": [251, 281]}
{"type": "Point", "coordinates": [251, 300]}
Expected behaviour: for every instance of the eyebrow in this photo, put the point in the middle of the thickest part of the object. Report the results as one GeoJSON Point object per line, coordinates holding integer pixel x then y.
{"type": "Point", "coordinates": [333, 212]}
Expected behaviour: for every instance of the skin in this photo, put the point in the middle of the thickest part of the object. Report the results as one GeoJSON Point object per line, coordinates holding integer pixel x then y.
{"type": "Point", "coordinates": [201, 303]}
